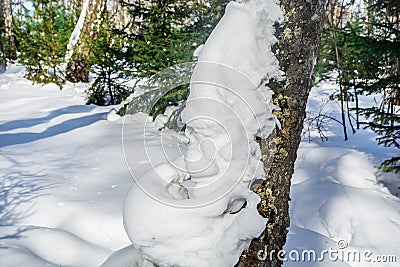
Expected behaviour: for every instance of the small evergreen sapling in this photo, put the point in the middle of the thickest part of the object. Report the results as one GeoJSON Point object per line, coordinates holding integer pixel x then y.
{"type": "Point", "coordinates": [165, 34]}
{"type": "Point", "coordinates": [42, 41]}
{"type": "Point", "coordinates": [109, 64]}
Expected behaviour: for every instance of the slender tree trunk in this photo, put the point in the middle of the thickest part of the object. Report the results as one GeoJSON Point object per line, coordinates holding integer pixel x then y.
{"type": "Point", "coordinates": [342, 110]}
{"type": "Point", "coordinates": [349, 117]}
{"type": "Point", "coordinates": [392, 101]}
{"type": "Point", "coordinates": [357, 105]}
{"type": "Point", "coordinates": [79, 65]}
{"type": "Point", "coordinates": [341, 91]}
{"type": "Point", "coordinates": [348, 111]}
{"type": "Point", "coordinates": [297, 54]}
{"type": "Point", "coordinates": [10, 51]}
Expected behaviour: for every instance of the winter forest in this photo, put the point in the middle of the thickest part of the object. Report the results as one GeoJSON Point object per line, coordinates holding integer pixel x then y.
{"type": "Point", "coordinates": [199, 133]}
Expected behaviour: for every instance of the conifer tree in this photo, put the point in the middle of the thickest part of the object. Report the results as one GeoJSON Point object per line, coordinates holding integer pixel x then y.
{"type": "Point", "coordinates": [367, 58]}
{"type": "Point", "coordinates": [166, 33]}
{"type": "Point", "coordinates": [384, 46]}
{"type": "Point", "coordinates": [158, 38]}
{"type": "Point", "coordinates": [109, 64]}
{"type": "Point", "coordinates": [42, 41]}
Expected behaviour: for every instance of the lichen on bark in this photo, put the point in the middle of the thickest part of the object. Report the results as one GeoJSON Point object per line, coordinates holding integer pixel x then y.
{"type": "Point", "coordinates": [298, 44]}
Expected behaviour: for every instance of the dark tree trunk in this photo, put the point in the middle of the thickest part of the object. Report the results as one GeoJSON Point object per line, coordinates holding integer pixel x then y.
{"type": "Point", "coordinates": [297, 53]}
{"type": "Point", "coordinates": [10, 51]}
{"type": "Point", "coordinates": [78, 70]}
{"type": "Point", "coordinates": [357, 105]}
{"type": "Point", "coordinates": [342, 96]}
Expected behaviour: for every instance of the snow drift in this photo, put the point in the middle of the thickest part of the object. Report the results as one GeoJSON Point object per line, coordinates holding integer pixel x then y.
{"type": "Point", "coordinates": [195, 206]}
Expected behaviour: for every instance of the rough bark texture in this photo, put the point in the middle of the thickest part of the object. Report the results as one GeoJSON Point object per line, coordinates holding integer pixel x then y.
{"type": "Point", "coordinates": [78, 69]}
{"type": "Point", "coordinates": [9, 36]}
{"type": "Point", "coordinates": [297, 49]}
{"type": "Point", "coordinates": [79, 65]}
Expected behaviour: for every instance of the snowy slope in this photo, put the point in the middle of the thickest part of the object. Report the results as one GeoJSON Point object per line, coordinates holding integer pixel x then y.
{"type": "Point", "coordinates": [64, 181]}
{"type": "Point", "coordinates": [339, 200]}
{"type": "Point", "coordinates": [63, 177]}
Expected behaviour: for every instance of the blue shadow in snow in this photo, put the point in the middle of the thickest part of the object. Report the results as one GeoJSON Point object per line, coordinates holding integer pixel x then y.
{"type": "Point", "coordinates": [64, 127]}
{"type": "Point", "coordinates": [24, 123]}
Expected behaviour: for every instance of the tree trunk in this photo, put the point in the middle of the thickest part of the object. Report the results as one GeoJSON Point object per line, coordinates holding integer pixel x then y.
{"type": "Point", "coordinates": [298, 48]}
{"type": "Point", "coordinates": [10, 51]}
{"type": "Point", "coordinates": [79, 65]}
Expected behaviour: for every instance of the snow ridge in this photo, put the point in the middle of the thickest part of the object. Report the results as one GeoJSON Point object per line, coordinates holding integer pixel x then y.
{"type": "Point", "coordinates": [197, 209]}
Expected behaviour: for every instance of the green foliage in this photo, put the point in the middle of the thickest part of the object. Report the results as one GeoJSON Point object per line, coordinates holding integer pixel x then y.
{"type": "Point", "coordinates": [161, 34]}
{"type": "Point", "coordinates": [166, 33]}
{"type": "Point", "coordinates": [366, 53]}
{"type": "Point", "coordinates": [387, 126]}
{"type": "Point", "coordinates": [206, 17]}
{"type": "Point", "coordinates": [169, 87]}
{"type": "Point", "coordinates": [42, 39]}
{"type": "Point", "coordinates": [158, 38]}
{"type": "Point", "coordinates": [172, 98]}
{"type": "Point", "coordinates": [109, 65]}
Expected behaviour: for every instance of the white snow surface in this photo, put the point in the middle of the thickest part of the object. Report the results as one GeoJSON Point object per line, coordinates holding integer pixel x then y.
{"type": "Point", "coordinates": [74, 178]}
{"type": "Point", "coordinates": [63, 182]}
{"type": "Point", "coordinates": [339, 197]}
{"type": "Point", "coordinates": [199, 191]}
{"type": "Point", "coordinates": [62, 175]}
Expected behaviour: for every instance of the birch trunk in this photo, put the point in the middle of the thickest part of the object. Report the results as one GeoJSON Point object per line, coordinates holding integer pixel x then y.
{"type": "Point", "coordinates": [78, 66]}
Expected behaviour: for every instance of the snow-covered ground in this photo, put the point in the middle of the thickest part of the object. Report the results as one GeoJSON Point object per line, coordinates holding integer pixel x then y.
{"type": "Point", "coordinates": [340, 202]}
{"type": "Point", "coordinates": [67, 169]}
{"type": "Point", "coordinates": [64, 181]}
{"type": "Point", "coordinates": [81, 186]}
{"type": "Point", "coordinates": [63, 176]}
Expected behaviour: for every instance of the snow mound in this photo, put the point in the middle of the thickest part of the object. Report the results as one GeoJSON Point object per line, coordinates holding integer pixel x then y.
{"type": "Point", "coordinates": [58, 247]}
{"type": "Point", "coordinates": [336, 197]}
{"type": "Point", "coordinates": [193, 207]}
{"type": "Point", "coordinates": [127, 257]}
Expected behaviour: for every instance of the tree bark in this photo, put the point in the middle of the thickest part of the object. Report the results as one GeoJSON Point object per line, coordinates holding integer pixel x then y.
{"type": "Point", "coordinates": [298, 46]}
{"type": "Point", "coordinates": [10, 51]}
{"type": "Point", "coordinates": [79, 65]}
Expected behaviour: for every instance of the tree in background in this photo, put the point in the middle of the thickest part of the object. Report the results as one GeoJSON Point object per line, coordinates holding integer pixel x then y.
{"type": "Point", "coordinates": [383, 42]}
{"type": "Point", "coordinates": [7, 42]}
{"type": "Point", "coordinates": [158, 35]}
{"type": "Point", "coordinates": [331, 58]}
{"type": "Point", "coordinates": [79, 64]}
{"type": "Point", "coordinates": [109, 65]}
{"type": "Point", "coordinates": [3, 59]}
{"type": "Point", "coordinates": [165, 34]}
{"type": "Point", "coordinates": [364, 51]}
{"type": "Point", "coordinates": [42, 41]}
